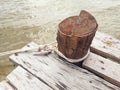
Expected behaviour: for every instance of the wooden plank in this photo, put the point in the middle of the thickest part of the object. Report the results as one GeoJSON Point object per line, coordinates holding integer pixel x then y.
{"type": "Point", "coordinates": [19, 50]}
{"type": "Point", "coordinates": [28, 46]}
{"type": "Point", "coordinates": [59, 74]}
{"type": "Point", "coordinates": [4, 85]}
{"type": "Point", "coordinates": [23, 80]}
{"type": "Point", "coordinates": [105, 68]}
{"type": "Point", "coordinates": [106, 46]}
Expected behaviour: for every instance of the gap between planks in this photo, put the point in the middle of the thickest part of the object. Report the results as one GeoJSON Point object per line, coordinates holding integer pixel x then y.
{"type": "Point", "coordinates": [105, 68]}
{"type": "Point", "coordinates": [23, 80]}
{"type": "Point", "coordinates": [106, 46]}
{"type": "Point", "coordinates": [59, 74]}
{"type": "Point", "coordinates": [4, 85]}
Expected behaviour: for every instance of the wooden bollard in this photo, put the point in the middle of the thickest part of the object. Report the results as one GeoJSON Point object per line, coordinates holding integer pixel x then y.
{"type": "Point", "coordinates": [75, 35]}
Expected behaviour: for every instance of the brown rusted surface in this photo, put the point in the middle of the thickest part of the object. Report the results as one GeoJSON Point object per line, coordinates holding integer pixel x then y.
{"type": "Point", "coordinates": [75, 35]}
{"type": "Point", "coordinates": [108, 43]}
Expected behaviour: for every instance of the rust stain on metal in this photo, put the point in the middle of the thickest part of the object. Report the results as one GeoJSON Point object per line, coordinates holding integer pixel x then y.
{"type": "Point", "coordinates": [75, 35]}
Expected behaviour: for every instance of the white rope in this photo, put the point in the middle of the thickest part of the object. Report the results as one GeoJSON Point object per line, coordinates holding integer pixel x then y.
{"type": "Point", "coordinates": [44, 50]}
{"type": "Point", "coordinates": [72, 60]}
{"type": "Point", "coordinates": [24, 50]}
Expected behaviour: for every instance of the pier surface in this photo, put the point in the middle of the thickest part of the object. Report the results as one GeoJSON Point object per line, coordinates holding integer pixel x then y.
{"type": "Point", "coordinates": [100, 71]}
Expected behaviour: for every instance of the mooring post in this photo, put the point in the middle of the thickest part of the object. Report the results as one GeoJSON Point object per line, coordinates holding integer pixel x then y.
{"type": "Point", "coordinates": [75, 35]}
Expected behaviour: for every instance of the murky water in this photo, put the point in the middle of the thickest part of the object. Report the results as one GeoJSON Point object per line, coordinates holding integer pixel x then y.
{"type": "Point", "coordinates": [23, 21]}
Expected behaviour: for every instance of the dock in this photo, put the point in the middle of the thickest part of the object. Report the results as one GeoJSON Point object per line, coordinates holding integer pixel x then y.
{"type": "Point", "coordinates": [100, 71]}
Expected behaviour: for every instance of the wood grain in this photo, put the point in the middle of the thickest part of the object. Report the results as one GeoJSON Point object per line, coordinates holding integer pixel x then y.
{"type": "Point", "coordinates": [106, 46]}
{"type": "Point", "coordinates": [105, 68]}
{"type": "Point", "coordinates": [4, 85]}
{"type": "Point", "coordinates": [59, 74]}
{"type": "Point", "coordinates": [23, 80]}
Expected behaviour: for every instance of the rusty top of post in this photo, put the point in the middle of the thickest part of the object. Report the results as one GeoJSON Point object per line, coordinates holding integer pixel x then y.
{"type": "Point", "coordinates": [79, 26]}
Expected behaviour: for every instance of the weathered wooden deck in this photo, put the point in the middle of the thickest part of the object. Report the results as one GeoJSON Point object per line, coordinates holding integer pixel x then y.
{"type": "Point", "coordinates": [100, 71]}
